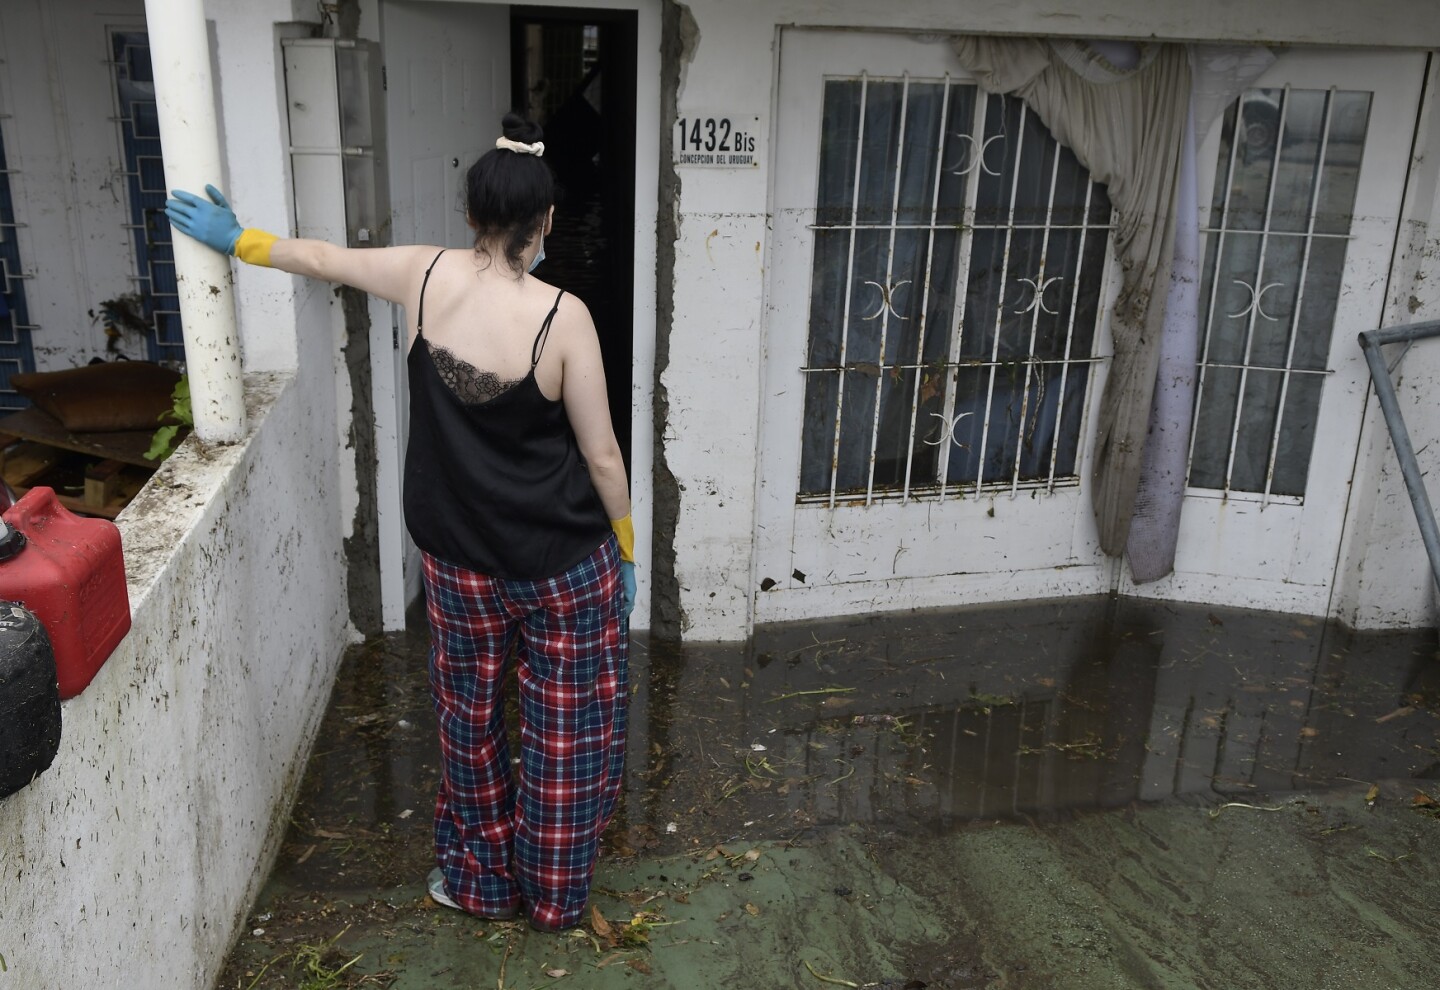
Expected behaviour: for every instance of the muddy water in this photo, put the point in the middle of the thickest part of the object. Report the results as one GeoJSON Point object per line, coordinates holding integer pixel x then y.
{"type": "Point", "coordinates": [1024, 712]}
{"type": "Point", "coordinates": [823, 802]}
{"type": "Point", "coordinates": [916, 724]}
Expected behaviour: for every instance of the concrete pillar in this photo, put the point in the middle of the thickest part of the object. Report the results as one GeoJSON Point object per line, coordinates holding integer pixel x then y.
{"type": "Point", "coordinates": [190, 139]}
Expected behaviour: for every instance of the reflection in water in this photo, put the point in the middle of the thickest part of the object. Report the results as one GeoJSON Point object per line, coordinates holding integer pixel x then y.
{"type": "Point", "coordinates": [1021, 711]}
{"type": "Point", "coordinates": [911, 723]}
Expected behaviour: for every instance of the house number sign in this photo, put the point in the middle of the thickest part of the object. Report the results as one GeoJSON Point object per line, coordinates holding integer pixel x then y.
{"type": "Point", "coordinates": [718, 140]}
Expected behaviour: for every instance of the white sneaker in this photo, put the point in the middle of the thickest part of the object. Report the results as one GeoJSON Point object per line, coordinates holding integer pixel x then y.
{"type": "Point", "coordinates": [435, 885]}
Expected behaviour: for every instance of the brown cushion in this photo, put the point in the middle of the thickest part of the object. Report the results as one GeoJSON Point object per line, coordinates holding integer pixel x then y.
{"type": "Point", "coordinates": [99, 398]}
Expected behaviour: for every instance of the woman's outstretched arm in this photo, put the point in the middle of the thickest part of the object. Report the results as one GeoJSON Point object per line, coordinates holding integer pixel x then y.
{"type": "Point", "coordinates": [384, 272]}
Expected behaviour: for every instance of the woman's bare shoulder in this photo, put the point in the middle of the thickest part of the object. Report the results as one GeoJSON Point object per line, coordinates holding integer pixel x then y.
{"type": "Point", "coordinates": [571, 314]}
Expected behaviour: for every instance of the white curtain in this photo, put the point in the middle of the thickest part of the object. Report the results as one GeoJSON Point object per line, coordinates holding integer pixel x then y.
{"type": "Point", "coordinates": [1130, 124]}
{"type": "Point", "coordinates": [1218, 73]}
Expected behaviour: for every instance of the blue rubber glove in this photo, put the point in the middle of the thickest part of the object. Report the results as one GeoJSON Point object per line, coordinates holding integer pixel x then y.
{"type": "Point", "coordinates": [627, 581]}
{"type": "Point", "coordinates": [211, 223]}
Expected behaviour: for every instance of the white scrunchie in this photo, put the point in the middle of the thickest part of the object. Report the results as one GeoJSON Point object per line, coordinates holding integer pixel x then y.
{"type": "Point", "coordinates": [521, 148]}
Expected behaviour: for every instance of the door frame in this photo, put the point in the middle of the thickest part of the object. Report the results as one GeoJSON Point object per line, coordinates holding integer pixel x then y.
{"type": "Point", "coordinates": [399, 577]}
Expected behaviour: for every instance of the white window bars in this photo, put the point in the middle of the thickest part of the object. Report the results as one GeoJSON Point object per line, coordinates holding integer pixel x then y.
{"type": "Point", "coordinates": [1284, 191]}
{"type": "Point", "coordinates": [958, 272]}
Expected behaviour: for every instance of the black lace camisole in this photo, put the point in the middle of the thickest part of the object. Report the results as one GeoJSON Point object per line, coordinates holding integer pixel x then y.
{"type": "Point", "coordinates": [494, 481]}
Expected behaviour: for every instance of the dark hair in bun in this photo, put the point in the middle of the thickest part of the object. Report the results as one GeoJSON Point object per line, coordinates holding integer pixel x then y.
{"type": "Point", "coordinates": [507, 193]}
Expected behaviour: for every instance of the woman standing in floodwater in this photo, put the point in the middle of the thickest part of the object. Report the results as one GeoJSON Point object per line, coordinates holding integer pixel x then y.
{"type": "Point", "coordinates": [516, 494]}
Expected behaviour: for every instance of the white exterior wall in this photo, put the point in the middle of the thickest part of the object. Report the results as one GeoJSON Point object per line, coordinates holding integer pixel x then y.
{"type": "Point", "coordinates": [134, 858]}
{"type": "Point", "coordinates": [254, 139]}
{"type": "Point", "coordinates": [131, 861]}
{"type": "Point", "coordinates": [1384, 577]}
{"type": "Point", "coordinates": [713, 377]}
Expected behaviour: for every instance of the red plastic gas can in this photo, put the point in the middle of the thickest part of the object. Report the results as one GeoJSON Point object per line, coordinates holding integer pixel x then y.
{"type": "Point", "coordinates": [68, 570]}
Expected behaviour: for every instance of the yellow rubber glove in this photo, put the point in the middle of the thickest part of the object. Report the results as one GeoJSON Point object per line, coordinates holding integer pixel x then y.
{"type": "Point", "coordinates": [253, 246]}
{"type": "Point", "coordinates": [625, 536]}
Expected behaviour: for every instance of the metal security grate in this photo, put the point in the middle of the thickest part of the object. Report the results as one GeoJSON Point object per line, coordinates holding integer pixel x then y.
{"type": "Point", "coordinates": [958, 269]}
{"type": "Point", "coordinates": [1284, 193]}
{"type": "Point", "coordinates": [144, 174]}
{"type": "Point", "coordinates": [15, 348]}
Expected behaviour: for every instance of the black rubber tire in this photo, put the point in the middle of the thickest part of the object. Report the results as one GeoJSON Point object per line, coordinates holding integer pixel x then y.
{"type": "Point", "coordinates": [29, 699]}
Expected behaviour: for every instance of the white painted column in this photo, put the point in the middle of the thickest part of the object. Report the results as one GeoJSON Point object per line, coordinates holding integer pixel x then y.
{"type": "Point", "coordinates": [190, 139]}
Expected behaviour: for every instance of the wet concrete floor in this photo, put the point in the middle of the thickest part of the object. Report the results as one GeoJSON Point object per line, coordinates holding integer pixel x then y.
{"type": "Point", "coordinates": [1094, 793]}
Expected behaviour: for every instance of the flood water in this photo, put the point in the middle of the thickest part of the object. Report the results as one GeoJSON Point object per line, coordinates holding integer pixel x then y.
{"type": "Point", "coordinates": [917, 722]}
{"type": "Point", "coordinates": [1028, 711]}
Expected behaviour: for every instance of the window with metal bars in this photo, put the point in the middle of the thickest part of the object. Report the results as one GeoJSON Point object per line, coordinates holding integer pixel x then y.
{"type": "Point", "coordinates": [957, 278]}
{"type": "Point", "coordinates": [1285, 186]}
{"type": "Point", "coordinates": [16, 354]}
{"type": "Point", "coordinates": [144, 174]}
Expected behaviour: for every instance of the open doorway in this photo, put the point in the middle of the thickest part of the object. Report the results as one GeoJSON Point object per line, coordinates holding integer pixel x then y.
{"type": "Point", "coordinates": [452, 70]}
{"type": "Point", "coordinates": [573, 71]}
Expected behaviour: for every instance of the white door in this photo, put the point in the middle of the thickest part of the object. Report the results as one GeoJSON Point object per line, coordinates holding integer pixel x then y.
{"type": "Point", "coordinates": [448, 83]}
{"type": "Point", "coordinates": [447, 69]}
{"type": "Point", "coordinates": [936, 338]}
{"type": "Point", "coordinates": [1298, 237]}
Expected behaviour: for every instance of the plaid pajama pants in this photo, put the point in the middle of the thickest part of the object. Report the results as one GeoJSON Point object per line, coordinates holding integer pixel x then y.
{"type": "Point", "coordinates": [499, 840]}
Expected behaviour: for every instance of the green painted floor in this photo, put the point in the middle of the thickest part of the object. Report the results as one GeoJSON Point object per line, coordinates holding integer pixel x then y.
{"type": "Point", "coordinates": [1090, 795]}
